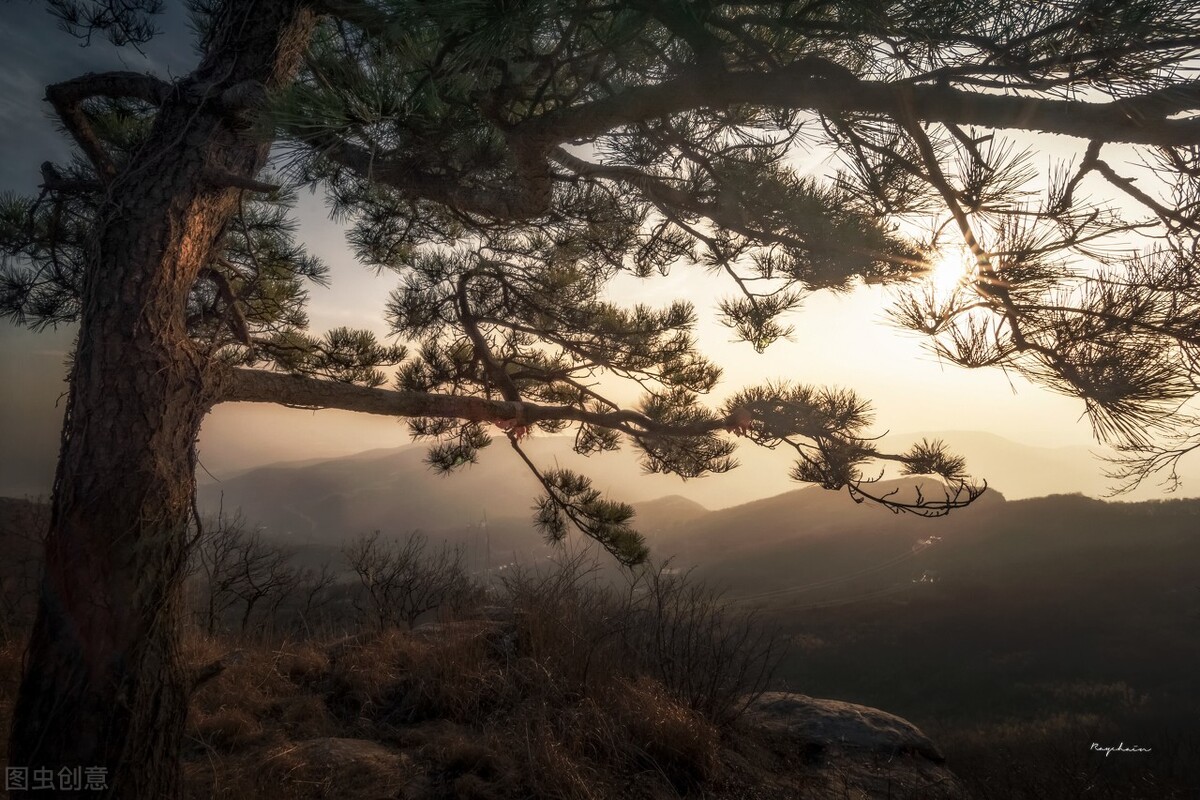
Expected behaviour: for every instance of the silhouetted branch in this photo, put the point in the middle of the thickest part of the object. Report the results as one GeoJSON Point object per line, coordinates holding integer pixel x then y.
{"type": "Point", "coordinates": [53, 181]}
{"type": "Point", "coordinates": [957, 494]}
{"type": "Point", "coordinates": [67, 98]}
{"type": "Point", "coordinates": [260, 386]}
{"type": "Point", "coordinates": [1137, 120]}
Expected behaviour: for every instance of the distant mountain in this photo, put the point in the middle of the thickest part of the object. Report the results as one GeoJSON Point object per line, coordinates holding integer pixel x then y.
{"type": "Point", "coordinates": [805, 537]}
{"type": "Point", "coordinates": [1023, 470]}
{"type": "Point", "coordinates": [817, 544]}
{"type": "Point", "coordinates": [667, 513]}
{"type": "Point", "coordinates": [392, 489]}
{"type": "Point", "coordinates": [499, 483]}
{"type": "Point", "coordinates": [395, 491]}
{"type": "Point", "coordinates": [806, 548]}
{"type": "Point", "coordinates": [487, 506]}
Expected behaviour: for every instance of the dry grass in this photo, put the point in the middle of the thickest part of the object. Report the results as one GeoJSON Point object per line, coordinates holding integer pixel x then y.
{"type": "Point", "coordinates": [474, 721]}
{"type": "Point", "coordinates": [679, 742]}
{"type": "Point", "coordinates": [548, 703]}
{"type": "Point", "coordinates": [1056, 758]}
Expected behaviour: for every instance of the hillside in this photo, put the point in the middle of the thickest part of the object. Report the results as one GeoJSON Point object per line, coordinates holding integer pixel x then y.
{"type": "Point", "coordinates": [1025, 470]}
{"type": "Point", "coordinates": [1011, 627]}
{"type": "Point", "coordinates": [820, 528]}
{"type": "Point", "coordinates": [393, 488]}
{"type": "Point", "coordinates": [1045, 623]}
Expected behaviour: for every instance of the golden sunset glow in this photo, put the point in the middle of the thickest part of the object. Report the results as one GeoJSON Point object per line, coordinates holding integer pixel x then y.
{"type": "Point", "coordinates": [954, 268]}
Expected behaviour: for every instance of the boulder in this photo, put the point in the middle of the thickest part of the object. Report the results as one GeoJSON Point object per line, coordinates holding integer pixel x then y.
{"type": "Point", "coordinates": [830, 749]}
{"type": "Point", "coordinates": [834, 723]}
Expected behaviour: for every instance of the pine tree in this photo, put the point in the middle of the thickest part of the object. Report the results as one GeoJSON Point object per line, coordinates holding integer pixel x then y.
{"type": "Point", "coordinates": [507, 160]}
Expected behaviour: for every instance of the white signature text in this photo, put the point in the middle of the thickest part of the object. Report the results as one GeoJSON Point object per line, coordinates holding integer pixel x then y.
{"type": "Point", "coordinates": [1120, 748]}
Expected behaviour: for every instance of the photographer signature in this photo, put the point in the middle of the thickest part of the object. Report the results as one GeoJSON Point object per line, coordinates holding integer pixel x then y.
{"type": "Point", "coordinates": [1120, 748]}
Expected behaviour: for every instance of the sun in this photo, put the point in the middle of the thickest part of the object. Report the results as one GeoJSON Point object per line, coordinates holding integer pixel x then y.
{"type": "Point", "coordinates": [954, 268]}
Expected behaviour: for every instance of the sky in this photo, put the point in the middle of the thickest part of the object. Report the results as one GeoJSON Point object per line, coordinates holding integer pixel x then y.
{"type": "Point", "coordinates": [840, 339]}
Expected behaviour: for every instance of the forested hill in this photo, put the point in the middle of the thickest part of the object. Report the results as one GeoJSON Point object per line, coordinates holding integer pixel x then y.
{"type": "Point", "coordinates": [393, 489]}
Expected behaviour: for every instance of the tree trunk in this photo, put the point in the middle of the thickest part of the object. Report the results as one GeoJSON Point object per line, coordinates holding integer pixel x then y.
{"type": "Point", "coordinates": [250, 604]}
{"type": "Point", "coordinates": [103, 686]}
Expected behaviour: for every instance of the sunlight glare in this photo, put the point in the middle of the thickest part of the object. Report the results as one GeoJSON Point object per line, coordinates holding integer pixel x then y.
{"type": "Point", "coordinates": [955, 268]}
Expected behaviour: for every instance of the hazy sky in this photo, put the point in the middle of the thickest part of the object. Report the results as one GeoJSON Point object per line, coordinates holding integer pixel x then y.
{"type": "Point", "coordinates": [839, 339]}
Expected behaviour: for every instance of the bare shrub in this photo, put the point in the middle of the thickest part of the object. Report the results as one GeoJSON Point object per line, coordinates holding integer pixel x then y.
{"type": "Point", "coordinates": [556, 700]}
{"type": "Point", "coordinates": [315, 592]}
{"type": "Point", "coordinates": [714, 656]}
{"type": "Point", "coordinates": [568, 618]}
{"type": "Point", "coordinates": [706, 652]}
{"type": "Point", "coordinates": [363, 674]}
{"type": "Point", "coordinates": [682, 744]}
{"type": "Point", "coordinates": [404, 579]}
{"type": "Point", "coordinates": [235, 571]}
{"type": "Point", "coordinates": [11, 657]}
{"type": "Point", "coordinates": [303, 663]}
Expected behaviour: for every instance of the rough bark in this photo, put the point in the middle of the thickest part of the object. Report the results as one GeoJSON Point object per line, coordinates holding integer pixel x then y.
{"type": "Point", "coordinates": [103, 685]}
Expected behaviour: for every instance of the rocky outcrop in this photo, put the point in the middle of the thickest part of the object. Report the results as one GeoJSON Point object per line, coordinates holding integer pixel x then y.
{"type": "Point", "coordinates": [829, 749]}
{"type": "Point", "coordinates": [839, 725]}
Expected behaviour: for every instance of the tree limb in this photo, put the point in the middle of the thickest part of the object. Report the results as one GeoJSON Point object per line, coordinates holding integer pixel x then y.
{"type": "Point", "coordinates": [244, 96]}
{"type": "Point", "coordinates": [1127, 186]}
{"type": "Point", "coordinates": [1137, 120]}
{"type": "Point", "coordinates": [260, 386]}
{"type": "Point", "coordinates": [662, 194]}
{"type": "Point", "coordinates": [529, 198]}
{"type": "Point", "coordinates": [53, 181]}
{"type": "Point", "coordinates": [234, 318]}
{"type": "Point", "coordinates": [495, 370]}
{"type": "Point", "coordinates": [361, 15]}
{"type": "Point", "coordinates": [67, 98]}
{"type": "Point", "coordinates": [823, 86]}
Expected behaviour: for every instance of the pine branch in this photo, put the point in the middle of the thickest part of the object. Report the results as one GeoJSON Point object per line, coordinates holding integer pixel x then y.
{"type": "Point", "coordinates": [122, 22]}
{"type": "Point", "coordinates": [495, 370]}
{"type": "Point", "coordinates": [363, 16]}
{"type": "Point", "coordinates": [260, 386]}
{"type": "Point", "coordinates": [53, 181]}
{"type": "Point", "coordinates": [1141, 119]}
{"type": "Point", "coordinates": [234, 318]}
{"type": "Point", "coordinates": [527, 196]}
{"type": "Point", "coordinates": [988, 284]}
{"type": "Point", "coordinates": [68, 97]}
